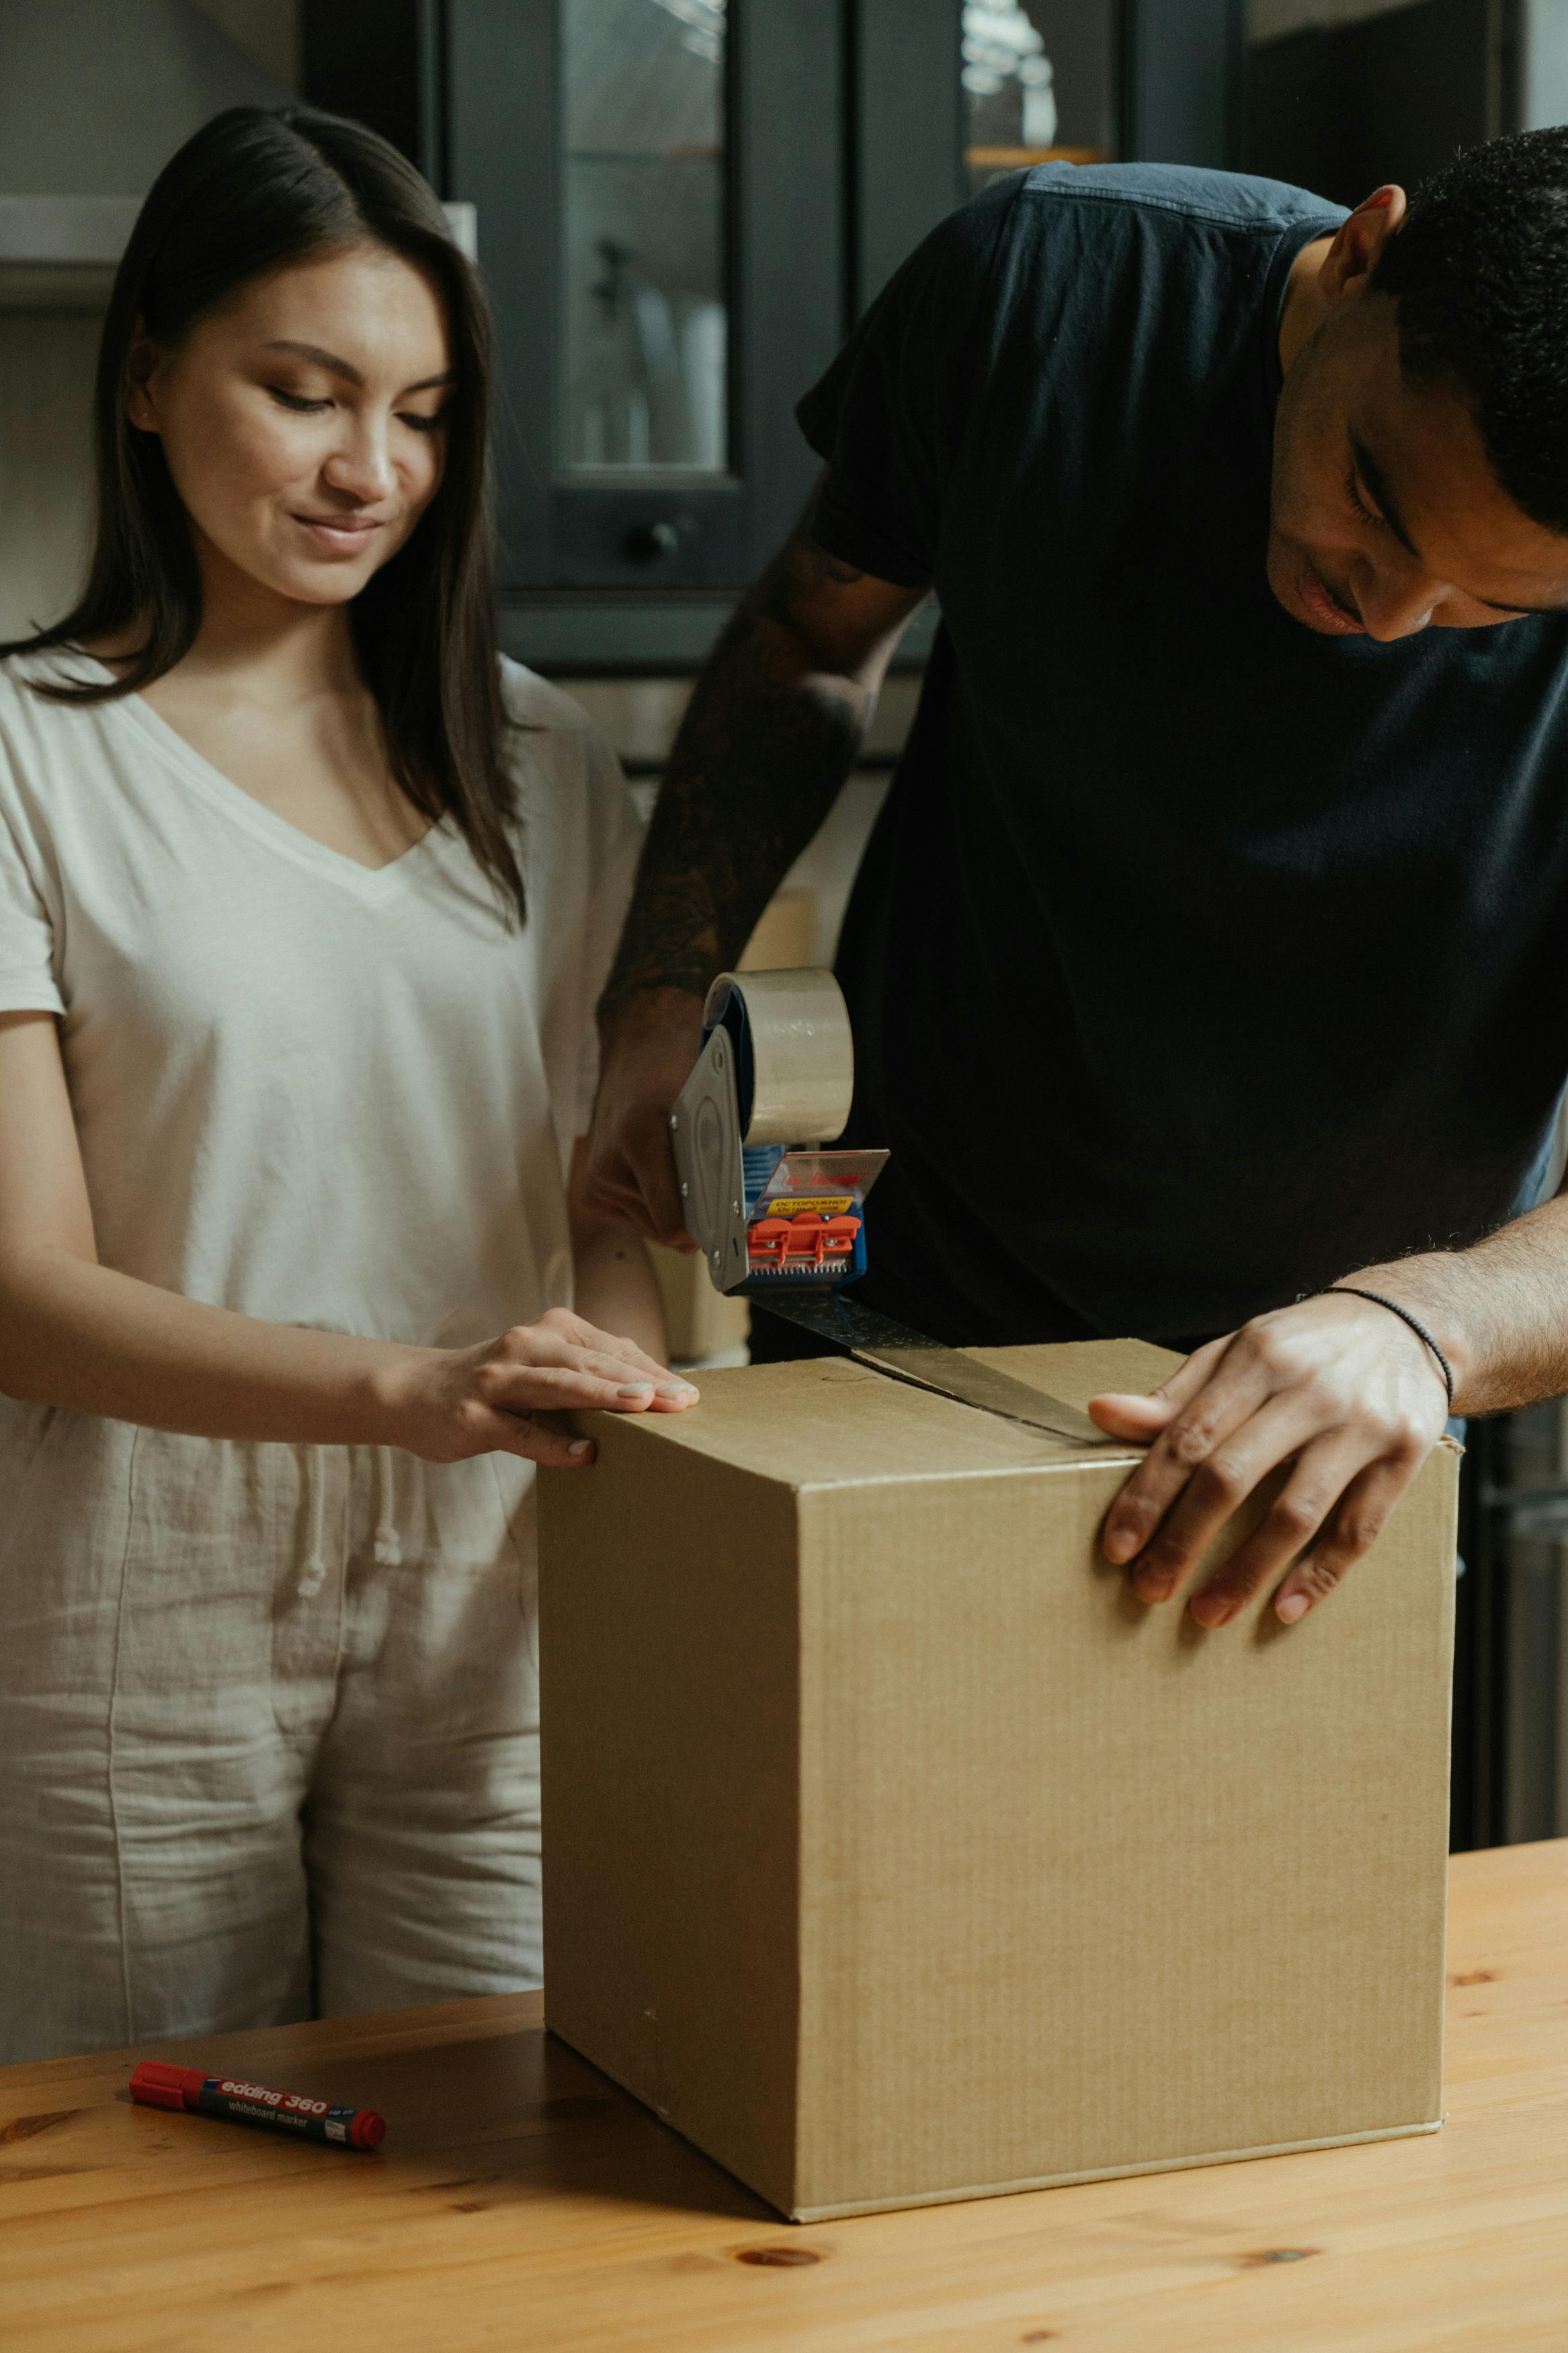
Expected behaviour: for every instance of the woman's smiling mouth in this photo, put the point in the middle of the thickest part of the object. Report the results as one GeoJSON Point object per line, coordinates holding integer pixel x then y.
{"type": "Point", "coordinates": [341, 534]}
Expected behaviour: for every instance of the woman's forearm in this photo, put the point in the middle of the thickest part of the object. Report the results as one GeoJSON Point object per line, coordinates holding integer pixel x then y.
{"type": "Point", "coordinates": [616, 1288]}
{"type": "Point", "coordinates": [79, 1335]}
{"type": "Point", "coordinates": [75, 1333]}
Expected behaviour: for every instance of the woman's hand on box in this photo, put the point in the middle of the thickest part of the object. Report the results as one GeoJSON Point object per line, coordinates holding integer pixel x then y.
{"type": "Point", "coordinates": [1336, 1393]}
{"type": "Point", "coordinates": [445, 1404]}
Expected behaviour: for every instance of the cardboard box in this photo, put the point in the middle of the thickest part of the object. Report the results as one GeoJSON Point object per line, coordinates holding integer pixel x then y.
{"type": "Point", "coordinates": [893, 1853]}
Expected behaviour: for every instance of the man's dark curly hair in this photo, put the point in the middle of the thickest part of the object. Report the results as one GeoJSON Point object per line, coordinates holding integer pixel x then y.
{"type": "Point", "coordinates": [1480, 272]}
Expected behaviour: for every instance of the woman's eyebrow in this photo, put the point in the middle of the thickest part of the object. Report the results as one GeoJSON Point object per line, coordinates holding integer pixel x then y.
{"type": "Point", "coordinates": [345, 368]}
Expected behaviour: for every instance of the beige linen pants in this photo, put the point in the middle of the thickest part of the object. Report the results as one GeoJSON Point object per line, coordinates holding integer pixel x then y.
{"type": "Point", "coordinates": [250, 1771]}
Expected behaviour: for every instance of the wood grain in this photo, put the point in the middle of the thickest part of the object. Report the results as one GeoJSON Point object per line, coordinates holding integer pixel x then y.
{"type": "Point", "coordinates": [522, 2201]}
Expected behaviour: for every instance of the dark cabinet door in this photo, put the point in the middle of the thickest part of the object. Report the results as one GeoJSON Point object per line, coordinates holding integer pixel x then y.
{"type": "Point", "coordinates": [656, 187]}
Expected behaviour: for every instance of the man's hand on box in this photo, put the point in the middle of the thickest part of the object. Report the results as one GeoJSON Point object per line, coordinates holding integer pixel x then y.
{"type": "Point", "coordinates": [1342, 1392]}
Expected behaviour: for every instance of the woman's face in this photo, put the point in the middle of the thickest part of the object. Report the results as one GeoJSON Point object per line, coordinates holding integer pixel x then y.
{"type": "Point", "coordinates": [302, 421]}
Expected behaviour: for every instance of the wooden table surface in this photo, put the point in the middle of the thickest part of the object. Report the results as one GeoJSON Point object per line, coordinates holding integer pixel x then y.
{"type": "Point", "coordinates": [520, 2201]}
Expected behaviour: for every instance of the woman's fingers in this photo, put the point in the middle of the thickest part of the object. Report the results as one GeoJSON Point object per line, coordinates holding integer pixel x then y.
{"type": "Point", "coordinates": [538, 1441]}
{"type": "Point", "coordinates": [577, 1330]}
{"type": "Point", "coordinates": [568, 1387]}
{"type": "Point", "coordinates": [636, 1384]}
{"type": "Point", "coordinates": [561, 1337]}
{"type": "Point", "coordinates": [623, 1375]}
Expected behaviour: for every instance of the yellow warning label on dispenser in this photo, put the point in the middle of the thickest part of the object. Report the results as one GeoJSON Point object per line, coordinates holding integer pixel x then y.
{"type": "Point", "coordinates": [816, 1205]}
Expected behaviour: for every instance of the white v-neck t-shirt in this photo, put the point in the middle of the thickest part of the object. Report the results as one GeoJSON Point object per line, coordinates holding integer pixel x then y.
{"type": "Point", "coordinates": [314, 1092]}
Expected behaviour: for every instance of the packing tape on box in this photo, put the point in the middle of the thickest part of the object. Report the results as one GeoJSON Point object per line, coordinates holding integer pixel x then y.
{"type": "Point", "coordinates": [801, 1054]}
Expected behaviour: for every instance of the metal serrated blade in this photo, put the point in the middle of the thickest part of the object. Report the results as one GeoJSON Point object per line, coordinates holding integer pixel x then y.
{"type": "Point", "coordinates": [908, 1355]}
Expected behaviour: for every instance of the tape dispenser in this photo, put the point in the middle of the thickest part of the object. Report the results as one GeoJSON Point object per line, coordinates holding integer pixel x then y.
{"type": "Point", "coordinates": [770, 1209]}
{"type": "Point", "coordinates": [780, 1217]}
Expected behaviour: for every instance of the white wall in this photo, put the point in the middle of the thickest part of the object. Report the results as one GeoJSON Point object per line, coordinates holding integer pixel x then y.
{"type": "Point", "coordinates": [45, 468]}
{"type": "Point", "coordinates": [47, 361]}
{"type": "Point", "coordinates": [270, 29]}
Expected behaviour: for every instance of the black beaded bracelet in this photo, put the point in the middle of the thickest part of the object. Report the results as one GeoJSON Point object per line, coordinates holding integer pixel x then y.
{"type": "Point", "coordinates": [1405, 1316]}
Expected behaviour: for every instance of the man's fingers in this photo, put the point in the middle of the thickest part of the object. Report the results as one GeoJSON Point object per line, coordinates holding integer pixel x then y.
{"type": "Point", "coordinates": [642, 1175]}
{"type": "Point", "coordinates": [1215, 1391]}
{"type": "Point", "coordinates": [1129, 1414]}
{"type": "Point", "coordinates": [1215, 1489]}
{"type": "Point", "coordinates": [621, 1204]}
{"type": "Point", "coordinates": [1319, 1480]}
{"type": "Point", "coordinates": [1142, 1414]}
{"type": "Point", "coordinates": [638, 1187]}
{"type": "Point", "coordinates": [649, 1043]}
{"type": "Point", "coordinates": [664, 1220]}
{"type": "Point", "coordinates": [1315, 1386]}
{"type": "Point", "coordinates": [626, 1204]}
{"type": "Point", "coordinates": [1350, 1530]}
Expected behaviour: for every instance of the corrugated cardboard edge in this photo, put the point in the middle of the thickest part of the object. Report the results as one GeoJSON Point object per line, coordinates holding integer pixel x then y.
{"type": "Point", "coordinates": [1110, 2173]}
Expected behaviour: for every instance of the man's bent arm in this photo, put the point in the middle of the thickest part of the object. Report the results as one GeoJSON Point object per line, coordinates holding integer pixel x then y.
{"type": "Point", "coordinates": [767, 741]}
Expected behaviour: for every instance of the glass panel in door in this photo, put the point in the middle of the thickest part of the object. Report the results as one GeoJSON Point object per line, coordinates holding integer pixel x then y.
{"type": "Point", "coordinates": [645, 370]}
{"type": "Point", "coordinates": [1039, 84]}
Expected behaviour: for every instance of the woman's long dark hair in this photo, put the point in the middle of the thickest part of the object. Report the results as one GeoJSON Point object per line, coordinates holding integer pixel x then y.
{"type": "Point", "coordinates": [251, 192]}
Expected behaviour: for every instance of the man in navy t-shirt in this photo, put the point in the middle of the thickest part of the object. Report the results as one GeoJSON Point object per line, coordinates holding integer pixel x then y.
{"type": "Point", "coordinates": [1212, 948]}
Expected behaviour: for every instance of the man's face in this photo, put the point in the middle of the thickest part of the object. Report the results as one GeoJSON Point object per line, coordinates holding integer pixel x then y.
{"type": "Point", "coordinates": [1386, 516]}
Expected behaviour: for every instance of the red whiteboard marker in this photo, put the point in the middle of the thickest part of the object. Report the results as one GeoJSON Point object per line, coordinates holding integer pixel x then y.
{"type": "Point", "coordinates": [158, 2085]}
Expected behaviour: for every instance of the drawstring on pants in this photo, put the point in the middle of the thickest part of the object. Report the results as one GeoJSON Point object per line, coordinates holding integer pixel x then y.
{"type": "Point", "coordinates": [313, 1575]}
{"type": "Point", "coordinates": [388, 1543]}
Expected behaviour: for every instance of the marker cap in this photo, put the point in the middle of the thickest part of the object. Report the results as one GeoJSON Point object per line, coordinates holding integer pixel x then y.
{"type": "Point", "coordinates": [368, 2130]}
{"type": "Point", "coordinates": [158, 2085]}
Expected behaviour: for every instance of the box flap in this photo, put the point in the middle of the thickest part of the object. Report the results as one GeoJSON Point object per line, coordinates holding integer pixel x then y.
{"type": "Point", "coordinates": [824, 1421]}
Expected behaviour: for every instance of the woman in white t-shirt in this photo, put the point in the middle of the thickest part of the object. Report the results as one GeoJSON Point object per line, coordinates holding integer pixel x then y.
{"type": "Point", "coordinates": [305, 902]}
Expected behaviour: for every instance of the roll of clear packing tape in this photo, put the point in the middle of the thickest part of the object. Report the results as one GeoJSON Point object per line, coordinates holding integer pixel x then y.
{"type": "Point", "coordinates": [803, 1054]}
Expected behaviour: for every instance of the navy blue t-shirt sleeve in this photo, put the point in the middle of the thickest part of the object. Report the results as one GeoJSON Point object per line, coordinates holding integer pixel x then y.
{"type": "Point", "coordinates": [888, 415]}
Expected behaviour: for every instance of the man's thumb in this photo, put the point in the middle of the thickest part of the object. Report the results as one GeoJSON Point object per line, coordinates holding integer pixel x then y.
{"type": "Point", "coordinates": [1125, 1414]}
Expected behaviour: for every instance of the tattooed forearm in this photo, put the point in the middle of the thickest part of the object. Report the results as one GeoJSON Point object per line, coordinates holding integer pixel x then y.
{"type": "Point", "coordinates": [755, 768]}
{"type": "Point", "coordinates": [769, 737]}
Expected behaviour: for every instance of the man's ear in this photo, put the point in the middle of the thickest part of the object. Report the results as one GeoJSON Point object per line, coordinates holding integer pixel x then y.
{"type": "Point", "coordinates": [1353, 256]}
{"type": "Point", "coordinates": [141, 361]}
